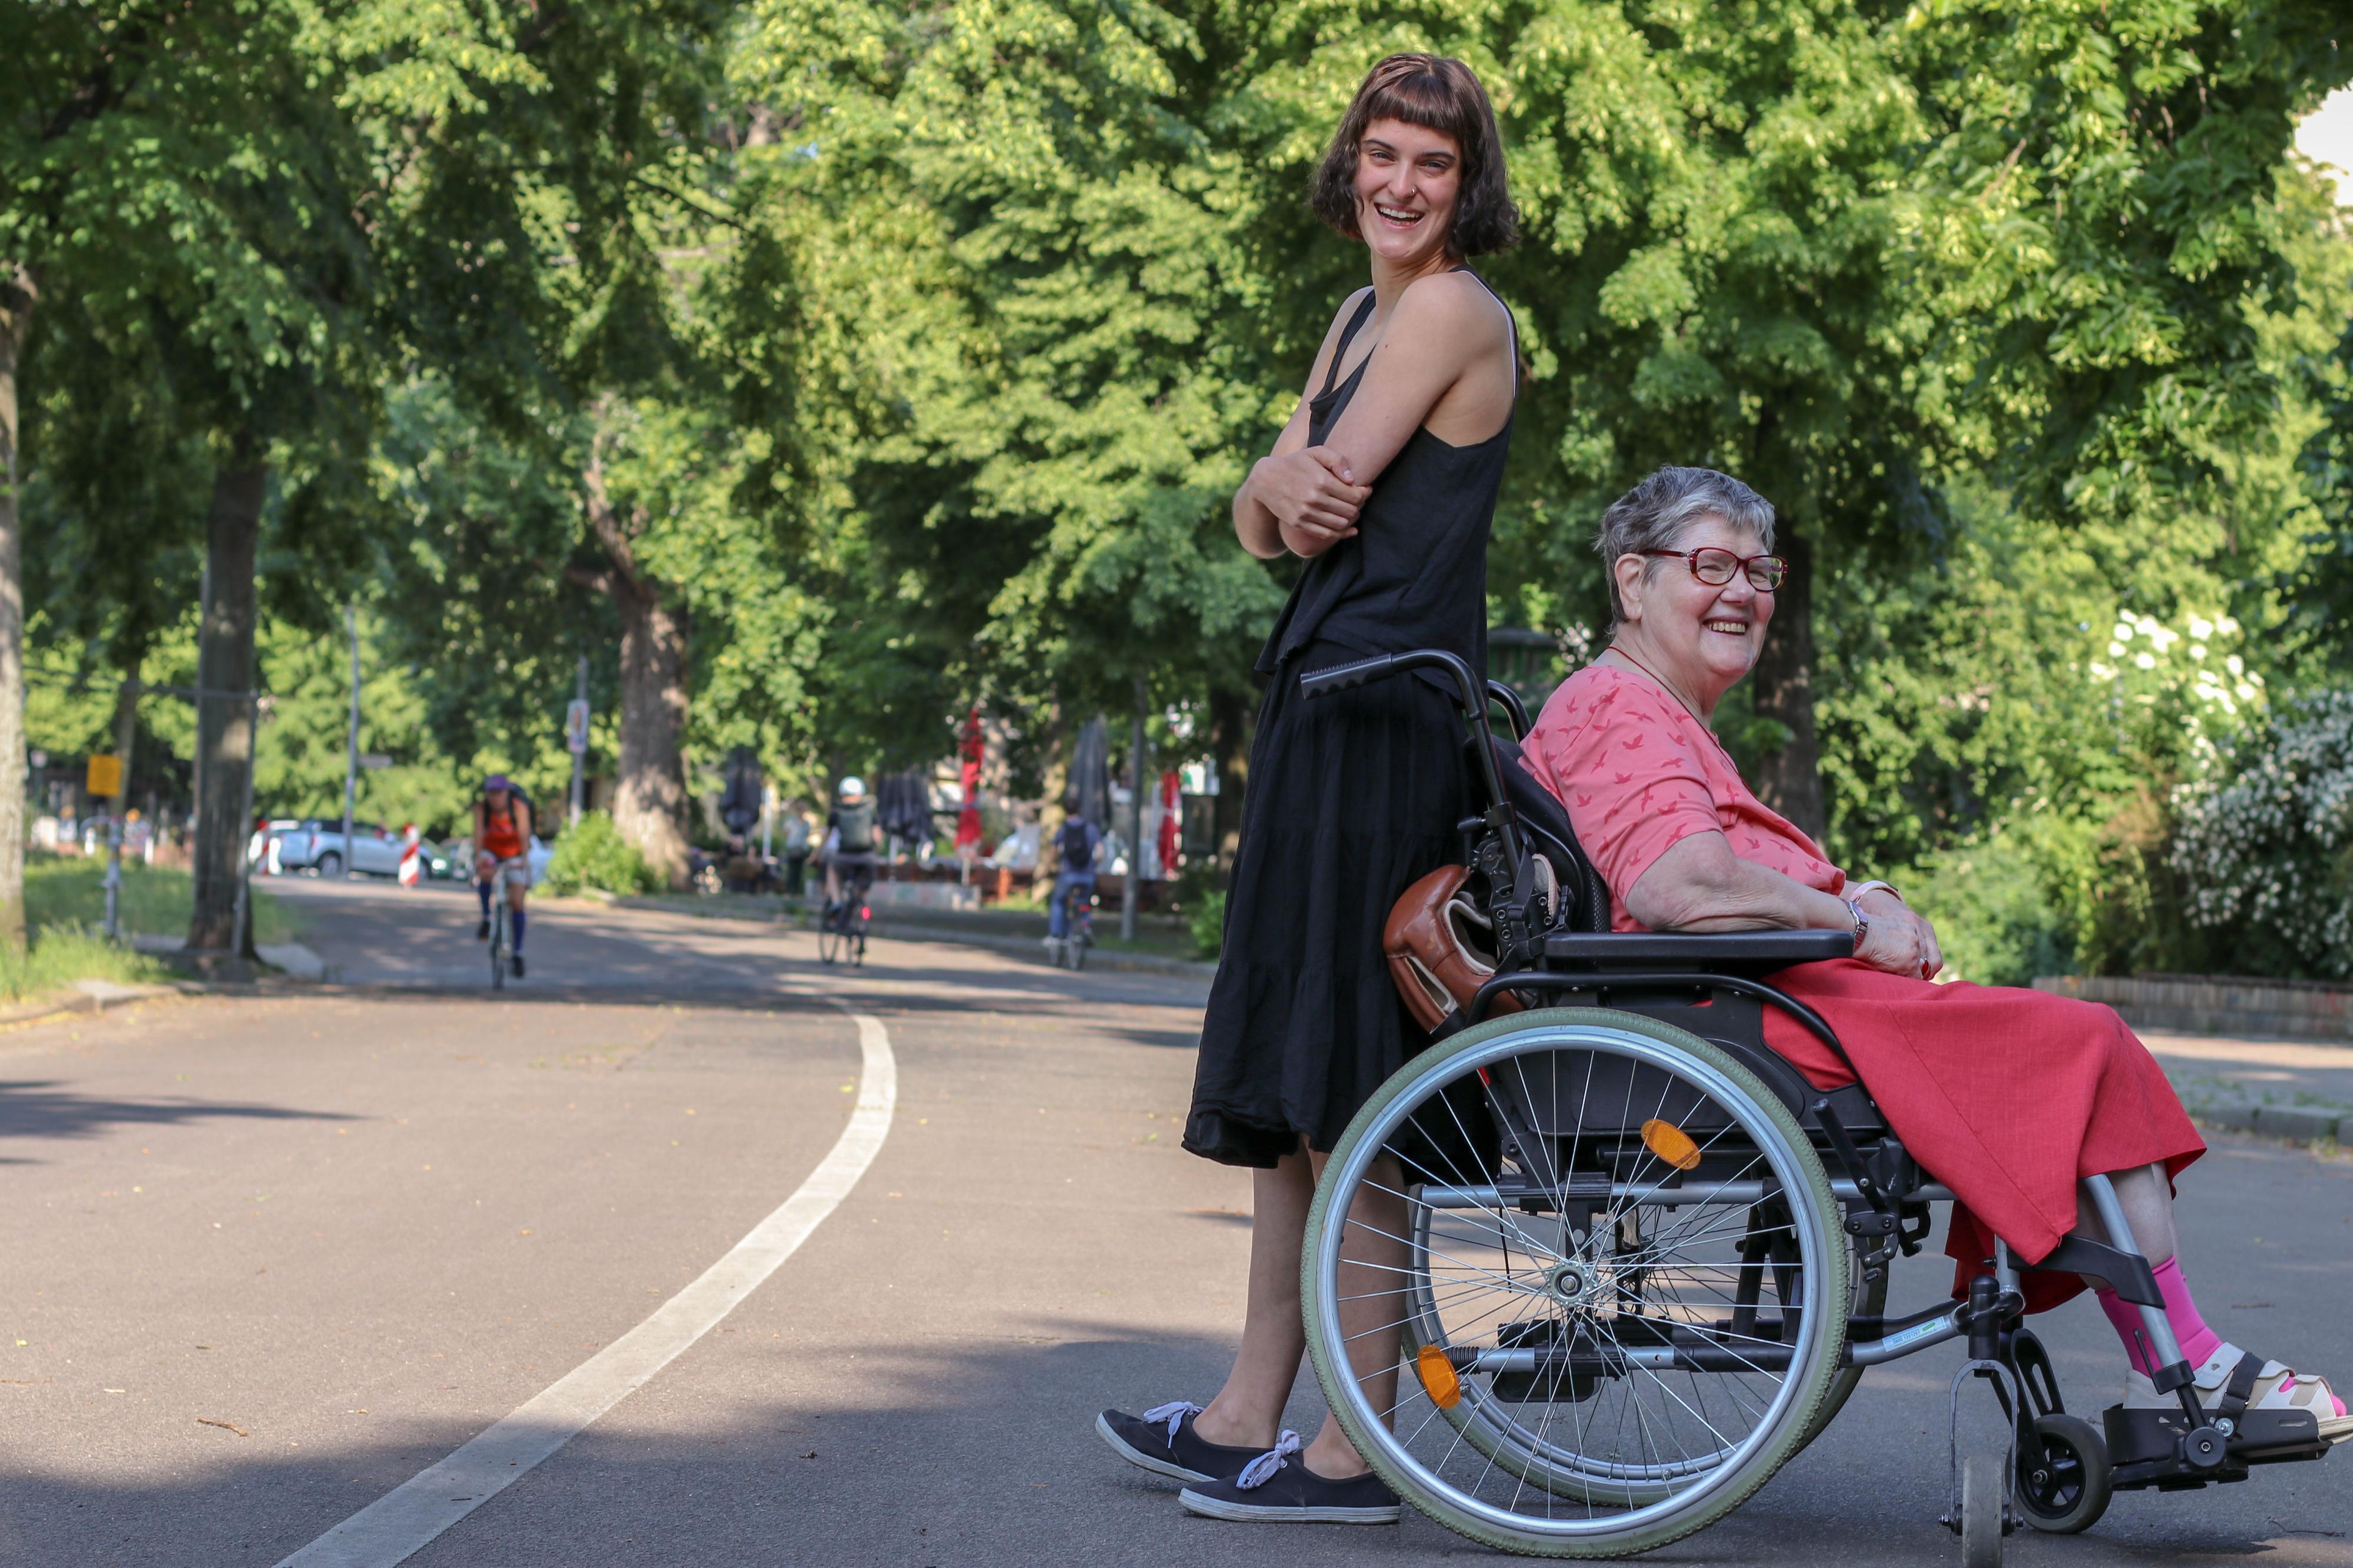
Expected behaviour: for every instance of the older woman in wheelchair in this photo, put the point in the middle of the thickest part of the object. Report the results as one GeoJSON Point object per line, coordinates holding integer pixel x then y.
{"type": "Point", "coordinates": [1580, 1276]}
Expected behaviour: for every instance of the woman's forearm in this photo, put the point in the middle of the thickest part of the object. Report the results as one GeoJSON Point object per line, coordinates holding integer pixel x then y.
{"type": "Point", "coordinates": [1254, 525]}
{"type": "Point", "coordinates": [1699, 885]}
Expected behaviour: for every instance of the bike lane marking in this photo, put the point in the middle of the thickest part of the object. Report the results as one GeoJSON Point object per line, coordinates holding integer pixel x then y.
{"type": "Point", "coordinates": [404, 1519]}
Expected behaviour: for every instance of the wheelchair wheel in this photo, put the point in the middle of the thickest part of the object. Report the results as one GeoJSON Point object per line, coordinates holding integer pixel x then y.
{"type": "Point", "coordinates": [1981, 1511]}
{"type": "Point", "coordinates": [1488, 1424]}
{"type": "Point", "coordinates": [2063, 1481]}
{"type": "Point", "coordinates": [1548, 1213]}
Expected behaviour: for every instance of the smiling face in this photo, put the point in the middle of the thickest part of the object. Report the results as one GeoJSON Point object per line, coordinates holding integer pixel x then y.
{"type": "Point", "coordinates": [1408, 178]}
{"type": "Point", "coordinates": [1701, 638]}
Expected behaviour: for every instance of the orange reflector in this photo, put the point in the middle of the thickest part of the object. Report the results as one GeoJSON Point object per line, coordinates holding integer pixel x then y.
{"type": "Point", "coordinates": [1671, 1144]}
{"type": "Point", "coordinates": [1437, 1379]}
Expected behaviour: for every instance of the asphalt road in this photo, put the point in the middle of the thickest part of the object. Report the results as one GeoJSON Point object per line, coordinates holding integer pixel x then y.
{"type": "Point", "coordinates": [266, 1258]}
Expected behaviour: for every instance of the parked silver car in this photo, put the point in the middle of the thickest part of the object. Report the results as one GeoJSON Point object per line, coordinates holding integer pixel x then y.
{"type": "Point", "coordinates": [312, 845]}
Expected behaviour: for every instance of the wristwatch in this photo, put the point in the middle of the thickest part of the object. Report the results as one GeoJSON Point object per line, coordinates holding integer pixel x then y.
{"type": "Point", "coordinates": [1862, 923]}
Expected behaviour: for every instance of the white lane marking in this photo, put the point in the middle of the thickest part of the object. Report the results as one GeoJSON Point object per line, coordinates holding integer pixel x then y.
{"type": "Point", "coordinates": [401, 1522]}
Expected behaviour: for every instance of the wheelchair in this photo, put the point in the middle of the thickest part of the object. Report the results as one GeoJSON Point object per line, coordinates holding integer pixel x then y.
{"type": "Point", "coordinates": [1631, 1261]}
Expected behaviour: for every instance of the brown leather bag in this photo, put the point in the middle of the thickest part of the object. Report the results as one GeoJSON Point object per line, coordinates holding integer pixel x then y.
{"type": "Point", "coordinates": [1440, 948]}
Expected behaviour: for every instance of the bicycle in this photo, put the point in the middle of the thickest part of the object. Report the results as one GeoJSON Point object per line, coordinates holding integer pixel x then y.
{"type": "Point", "coordinates": [841, 929]}
{"type": "Point", "coordinates": [499, 941]}
{"type": "Point", "coordinates": [1070, 950]}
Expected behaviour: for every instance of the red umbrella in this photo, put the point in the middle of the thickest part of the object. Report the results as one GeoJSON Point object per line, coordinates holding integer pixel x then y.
{"type": "Point", "coordinates": [967, 832]}
{"type": "Point", "coordinates": [1169, 811]}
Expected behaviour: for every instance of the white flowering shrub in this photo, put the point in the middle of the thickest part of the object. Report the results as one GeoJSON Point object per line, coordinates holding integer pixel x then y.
{"type": "Point", "coordinates": [2264, 846]}
{"type": "Point", "coordinates": [2175, 692]}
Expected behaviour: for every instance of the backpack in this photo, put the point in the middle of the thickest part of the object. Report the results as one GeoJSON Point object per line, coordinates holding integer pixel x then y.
{"type": "Point", "coordinates": [1077, 853]}
{"type": "Point", "coordinates": [855, 824]}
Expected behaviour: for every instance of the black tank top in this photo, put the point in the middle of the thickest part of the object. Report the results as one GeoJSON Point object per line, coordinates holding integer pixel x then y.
{"type": "Point", "coordinates": [1416, 573]}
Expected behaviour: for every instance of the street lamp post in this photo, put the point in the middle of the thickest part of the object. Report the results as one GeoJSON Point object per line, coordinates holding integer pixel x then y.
{"type": "Point", "coordinates": [351, 737]}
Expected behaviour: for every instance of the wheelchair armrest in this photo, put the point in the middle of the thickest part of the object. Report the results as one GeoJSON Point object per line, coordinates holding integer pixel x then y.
{"type": "Point", "coordinates": [1738, 952]}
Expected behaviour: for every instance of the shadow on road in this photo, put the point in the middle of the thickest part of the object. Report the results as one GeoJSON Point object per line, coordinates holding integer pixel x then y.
{"type": "Point", "coordinates": [31, 1109]}
{"type": "Point", "coordinates": [973, 1455]}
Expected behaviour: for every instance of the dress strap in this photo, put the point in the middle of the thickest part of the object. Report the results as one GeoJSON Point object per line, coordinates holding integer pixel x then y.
{"type": "Point", "coordinates": [1347, 335]}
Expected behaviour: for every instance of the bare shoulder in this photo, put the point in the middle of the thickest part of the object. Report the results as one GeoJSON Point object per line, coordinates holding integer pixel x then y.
{"type": "Point", "coordinates": [1456, 305]}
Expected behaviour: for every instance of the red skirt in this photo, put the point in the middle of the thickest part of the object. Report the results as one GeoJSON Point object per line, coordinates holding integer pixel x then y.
{"type": "Point", "coordinates": [2007, 1097]}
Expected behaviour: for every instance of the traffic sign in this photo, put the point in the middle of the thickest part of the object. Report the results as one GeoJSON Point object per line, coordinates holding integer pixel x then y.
{"type": "Point", "coordinates": [576, 727]}
{"type": "Point", "coordinates": [105, 776]}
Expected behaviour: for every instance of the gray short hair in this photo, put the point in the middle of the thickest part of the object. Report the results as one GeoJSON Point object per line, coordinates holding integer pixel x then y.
{"type": "Point", "coordinates": [1654, 513]}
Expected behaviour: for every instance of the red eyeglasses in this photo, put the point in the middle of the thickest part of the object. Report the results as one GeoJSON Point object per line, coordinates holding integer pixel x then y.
{"type": "Point", "coordinates": [1714, 567]}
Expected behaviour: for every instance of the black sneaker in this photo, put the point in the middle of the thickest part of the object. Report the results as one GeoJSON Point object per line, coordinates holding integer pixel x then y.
{"type": "Point", "coordinates": [1277, 1488]}
{"type": "Point", "coordinates": [482, 931]}
{"type": "Point", "coordinates": [1162, 1440]}
{"type": "Point", "coordinates": [515, 964]}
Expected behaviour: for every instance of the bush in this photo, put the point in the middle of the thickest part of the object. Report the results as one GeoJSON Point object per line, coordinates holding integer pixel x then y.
{"type": "Point", "coordinates": [2265, 847]}
{"type": "Point", "coordinates": [1994, 920]}
{"type": "Point", "coordinates": [594, 855]}
{"type": "Point", "coordinates": [1207, 921]}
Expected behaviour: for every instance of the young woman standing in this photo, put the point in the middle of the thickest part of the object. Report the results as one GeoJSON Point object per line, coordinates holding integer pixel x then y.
{"type": "Point", "coordinates": [1384, 483]}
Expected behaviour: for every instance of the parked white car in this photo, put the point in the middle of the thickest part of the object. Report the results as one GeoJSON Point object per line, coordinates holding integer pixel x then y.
{"type": "Point", "coordinates": [311, 845]}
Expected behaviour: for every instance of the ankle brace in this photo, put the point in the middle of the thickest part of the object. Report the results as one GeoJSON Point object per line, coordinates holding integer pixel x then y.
{"type": "Point", "coordinates": [2197, 1340]}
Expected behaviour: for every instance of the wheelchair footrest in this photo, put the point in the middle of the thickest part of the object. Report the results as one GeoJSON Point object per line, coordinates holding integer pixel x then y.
{"type": "Point", "coordinates": [2145, 1447]}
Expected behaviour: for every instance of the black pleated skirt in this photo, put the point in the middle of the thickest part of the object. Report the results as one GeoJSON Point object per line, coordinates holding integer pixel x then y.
{"type": "Point", "coordinates": [1352, 799]}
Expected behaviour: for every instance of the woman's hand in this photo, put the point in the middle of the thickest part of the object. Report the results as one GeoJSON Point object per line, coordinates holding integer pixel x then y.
{"type": "Point", "coordinates": [1310, 496]}
{"type": "Point", "coordinates": [1899, 940]}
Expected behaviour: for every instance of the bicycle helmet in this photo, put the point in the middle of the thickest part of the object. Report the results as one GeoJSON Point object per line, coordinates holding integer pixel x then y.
{"type": "Point", "coordinates": [852, 788]}
{"type": "Point", "coordinates": [1442, 947]}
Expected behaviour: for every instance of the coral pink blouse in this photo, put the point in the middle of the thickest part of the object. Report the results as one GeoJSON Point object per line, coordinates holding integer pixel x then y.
{"type": "Point", "coordinates": [1639, 774]}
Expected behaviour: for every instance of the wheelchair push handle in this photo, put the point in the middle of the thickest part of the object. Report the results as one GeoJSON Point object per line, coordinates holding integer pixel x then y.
{"type": "Point", "coordinates": [1340, 677]}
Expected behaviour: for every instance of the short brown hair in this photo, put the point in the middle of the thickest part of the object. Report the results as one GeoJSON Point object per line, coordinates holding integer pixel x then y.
{"type": "Point", "coordinates": [1654, 513]}
{"type": "Point", "coordinates": [1442, 95]}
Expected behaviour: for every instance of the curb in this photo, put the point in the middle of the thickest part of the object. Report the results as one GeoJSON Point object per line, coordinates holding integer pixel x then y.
{"type": "Point", "coordinates": [2294, 1124]}
{"type": "Point", "coordinates": [1027, 947]}
{"type": "Point", "coordinates": [892, 930]}
{"type": "Point", "coordinates": [81, 999]}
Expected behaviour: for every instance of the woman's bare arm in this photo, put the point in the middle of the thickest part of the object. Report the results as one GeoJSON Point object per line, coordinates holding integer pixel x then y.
{"type": "Point", "coordinates": [1296, 498]}
{"type": "Point", "coordinates": [1447, 337]}
{"type": "Point", "coordinates": [1699, 885]}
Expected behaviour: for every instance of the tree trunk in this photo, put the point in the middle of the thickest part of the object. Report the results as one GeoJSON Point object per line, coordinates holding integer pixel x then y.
{"type": "Point", "coordinates": [649, 795]}
{"type": "Point", "coordinates": [18, 293]}
{"type": "Point", "coordinates": [126, 728]}
{"type": "Point", "coordinates": [1788, 776]}
{"type": "Point", "coordinates": [225, 711]}
{"type": "Point", "coordinates": [128, 721]}
{"type": "Point", "coordinates": [649, 791]}
{"type": "Point", "coordinates": [1231, 720]}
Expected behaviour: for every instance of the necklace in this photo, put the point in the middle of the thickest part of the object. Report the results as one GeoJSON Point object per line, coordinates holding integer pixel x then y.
{"type": "Point", "coordinates": [1661, 681]}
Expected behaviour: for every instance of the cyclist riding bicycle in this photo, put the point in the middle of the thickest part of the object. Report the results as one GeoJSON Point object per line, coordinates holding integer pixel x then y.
{"type": "Point", "coordinates": [850, 839]}
{"type": "Point", "coordinates": [502, 854]}
{"type": "Point", "coordinates": [1079, 843]}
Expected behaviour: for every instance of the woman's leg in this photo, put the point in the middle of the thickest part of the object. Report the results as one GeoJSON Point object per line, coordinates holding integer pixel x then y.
{"type": "Point", "coordinates": [1371, 1307]}
{"type": "Point", "coordinates": [1248, 1409]}
{"type": "Point", "coordinates": [2148, 1201]}
{"type": "Point", "coordinates": [1248, 1412]}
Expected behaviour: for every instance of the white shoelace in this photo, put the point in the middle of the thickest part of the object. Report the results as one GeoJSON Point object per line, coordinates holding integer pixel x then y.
{"type": "Point", "coordinates": [1174, 1413]}
{"type": "Point", "coordinates": [1261, 1470]}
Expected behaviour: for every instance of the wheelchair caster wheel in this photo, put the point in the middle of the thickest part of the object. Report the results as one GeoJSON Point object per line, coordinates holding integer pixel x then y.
{"type": "Point", "coordinates": [2065, 1481]}
{"type": "Point", "coordinates": [1982, 1511]}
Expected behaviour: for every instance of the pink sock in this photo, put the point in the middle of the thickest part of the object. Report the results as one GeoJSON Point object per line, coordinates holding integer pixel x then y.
{"type": "Point", "coordinates": [2197, 1340]}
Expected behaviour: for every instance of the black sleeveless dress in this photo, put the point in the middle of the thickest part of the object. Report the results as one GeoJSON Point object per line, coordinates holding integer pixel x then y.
{"type": "Point", "coordinates": [1352, 799]}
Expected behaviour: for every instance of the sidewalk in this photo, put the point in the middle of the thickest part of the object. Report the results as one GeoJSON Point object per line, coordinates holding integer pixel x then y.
{"type": "Point", "coordinates": [2281, 1089]}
